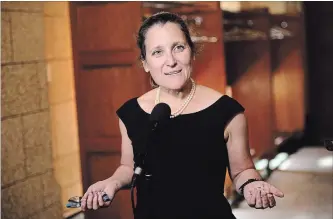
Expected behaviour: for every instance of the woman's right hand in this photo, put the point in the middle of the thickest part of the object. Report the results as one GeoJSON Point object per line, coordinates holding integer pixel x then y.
{"type": "Point", "coordinates": [92, 199]}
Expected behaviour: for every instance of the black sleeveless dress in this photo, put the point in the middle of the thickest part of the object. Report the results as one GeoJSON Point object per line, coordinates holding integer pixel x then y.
{"type": "Point", "coordinates": [189, 160]}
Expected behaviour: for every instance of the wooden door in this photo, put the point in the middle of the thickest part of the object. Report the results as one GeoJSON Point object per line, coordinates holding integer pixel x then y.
{"type": "Point", "coordinates": [106, 75]}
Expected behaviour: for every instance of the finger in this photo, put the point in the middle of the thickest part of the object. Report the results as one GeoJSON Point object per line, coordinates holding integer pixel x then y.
{"type": "Point", "coordinates": [100, 199]}
{"type": "Point", "coordinates": [264, 198]}
{"type": "Point", "coordinates": [247, 196]}
{"type": "Point", "coordinates": [271, 200]}
{"type": "Point", "coordinates": [84, 199]}
{"type": "Point", "coordinates": [95, 201]}
{"type": "Point", "coordinates": [83, 203]}
{"type": "Point", "coordinates": [90, 200]}
{"type": "Point", "coordinates": [85, 196]}
{"type": "Point", "coordinates": [276, 191]}
{"type": "Point", "coordinates": [258, 199]}
{"type": "Point", "coordinates": [252, 202]}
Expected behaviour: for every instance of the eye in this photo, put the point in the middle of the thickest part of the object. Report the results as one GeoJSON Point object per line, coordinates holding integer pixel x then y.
{"type": "Point", "coordinates": [157, 53]}
{"type": "Point", "coordinates": [179, 48]}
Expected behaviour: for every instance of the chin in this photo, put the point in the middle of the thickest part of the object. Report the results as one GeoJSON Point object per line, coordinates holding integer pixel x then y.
{"type": "Point", "coordinates": [175, 84]}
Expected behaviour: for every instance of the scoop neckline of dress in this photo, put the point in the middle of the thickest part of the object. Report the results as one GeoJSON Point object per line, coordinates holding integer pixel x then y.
{"type": "Point", "coordinates": [186, 114]}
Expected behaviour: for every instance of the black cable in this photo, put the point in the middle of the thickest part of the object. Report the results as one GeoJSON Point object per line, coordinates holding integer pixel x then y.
{"type": "Point", "coordinates": [136, 174]}
{"type": "Point", "coordinates": [132, 192]}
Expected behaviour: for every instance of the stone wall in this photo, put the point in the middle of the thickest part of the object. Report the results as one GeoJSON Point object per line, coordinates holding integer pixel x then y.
{"type": "Point", "coordinates": [29, 189]}
{"type": "Point", "coordinates": [65, 144]}
{"type": "Point", "coordinates": [38, 113]}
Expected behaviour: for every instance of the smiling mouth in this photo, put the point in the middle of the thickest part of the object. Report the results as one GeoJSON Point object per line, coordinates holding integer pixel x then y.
{"type": "Point", "coordinates": [173, 72]}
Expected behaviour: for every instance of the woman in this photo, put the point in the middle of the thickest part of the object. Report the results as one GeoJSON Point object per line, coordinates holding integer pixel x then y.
{"type": "Point", "coordinates": [206, 134]}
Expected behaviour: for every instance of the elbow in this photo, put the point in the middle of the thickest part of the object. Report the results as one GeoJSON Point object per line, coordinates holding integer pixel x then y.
{"type": "Point", "coordinates": [127, 167]}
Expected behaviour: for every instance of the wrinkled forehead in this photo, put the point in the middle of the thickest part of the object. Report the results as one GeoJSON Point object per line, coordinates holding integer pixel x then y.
{"type": "Point", "coordinates": [164, 34]}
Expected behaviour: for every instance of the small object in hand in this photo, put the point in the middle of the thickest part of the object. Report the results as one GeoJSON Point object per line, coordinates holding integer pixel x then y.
{"type": "Point", "coordinates": [75, 201]}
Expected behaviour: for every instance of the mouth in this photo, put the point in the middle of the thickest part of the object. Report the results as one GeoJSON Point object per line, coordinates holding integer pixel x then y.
{"type": "Point", "coordinates": [173, 72]}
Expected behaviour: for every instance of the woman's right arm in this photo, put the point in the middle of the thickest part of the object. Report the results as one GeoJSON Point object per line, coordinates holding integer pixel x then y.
{"type": "Point", "coordinates": [123, 175]}
{"type": "Point", "coordinates": [92, 199]}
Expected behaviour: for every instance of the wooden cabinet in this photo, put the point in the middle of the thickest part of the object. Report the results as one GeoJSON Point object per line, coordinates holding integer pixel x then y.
{"type": "Point", "coordinates": [247, 53]}
{"type": "Point", "coordinates": [288, 73]}
{"type": "Point", "coordinates": [265, 70]}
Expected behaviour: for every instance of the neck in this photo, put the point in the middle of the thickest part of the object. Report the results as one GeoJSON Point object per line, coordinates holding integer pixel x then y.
{"type": "Point", "coordinates": [178, 94]}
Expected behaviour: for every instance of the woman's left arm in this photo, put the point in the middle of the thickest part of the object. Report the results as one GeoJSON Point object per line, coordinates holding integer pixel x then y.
{"type": "Point", "coordinates": [258, 194]}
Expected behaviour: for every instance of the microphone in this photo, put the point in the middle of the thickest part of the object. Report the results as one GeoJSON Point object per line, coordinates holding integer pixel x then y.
{"type": "Point", "coordinates": [159, 115]}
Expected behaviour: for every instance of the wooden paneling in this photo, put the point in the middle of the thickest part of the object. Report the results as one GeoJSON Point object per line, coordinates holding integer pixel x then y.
{"type": "Point", "coordinates": [107, 59]}
{"type": "Point", "coordinates": [288, 76]}
{"type": "Point", "coordinates": [253, 91]}
{"type": "Point", "coordinates": [106, 75]}
{"type": "Point", "coordinates": [249, 75]}
{"type": "Point", "coordinates": [209, 66]}
{"type": "Point", "coordinates": [179, 7]}
{"type": "Point", "coordinates": [266, 74]}
{"type": "Point", "coordinates": [105, 90]}
{"type": "Point", "coordinates": [99, 30]}
{"type": "Point", "coordinates": [288, 93]}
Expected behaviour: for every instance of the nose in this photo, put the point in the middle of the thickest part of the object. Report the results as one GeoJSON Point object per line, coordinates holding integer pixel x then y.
{"type": "Point", "coordinates": [171, 61]}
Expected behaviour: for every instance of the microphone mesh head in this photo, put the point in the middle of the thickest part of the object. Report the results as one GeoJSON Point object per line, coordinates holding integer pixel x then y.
{"type": "Point", "coordinates": [161, 112]}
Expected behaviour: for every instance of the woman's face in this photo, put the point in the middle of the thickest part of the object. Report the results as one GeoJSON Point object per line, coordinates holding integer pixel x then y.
{"type": "Point", "coordinates": [168, 56]}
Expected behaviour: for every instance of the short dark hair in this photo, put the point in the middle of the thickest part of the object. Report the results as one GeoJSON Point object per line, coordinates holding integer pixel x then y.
{"type": "Point", "coordinates": [162, 18]}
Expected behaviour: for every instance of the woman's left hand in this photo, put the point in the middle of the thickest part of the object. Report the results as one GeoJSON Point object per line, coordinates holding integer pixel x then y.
{"type": "Point", "coordinates": [260, 194]}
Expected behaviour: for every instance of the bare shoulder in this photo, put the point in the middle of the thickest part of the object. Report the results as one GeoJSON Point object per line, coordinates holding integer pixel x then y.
{"type": "Point", "coordinates": [239, 121]}
{"type": "Point", "coordinates": [208, 94]}
{"type": "Point", "coordinates": [146, 101]}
